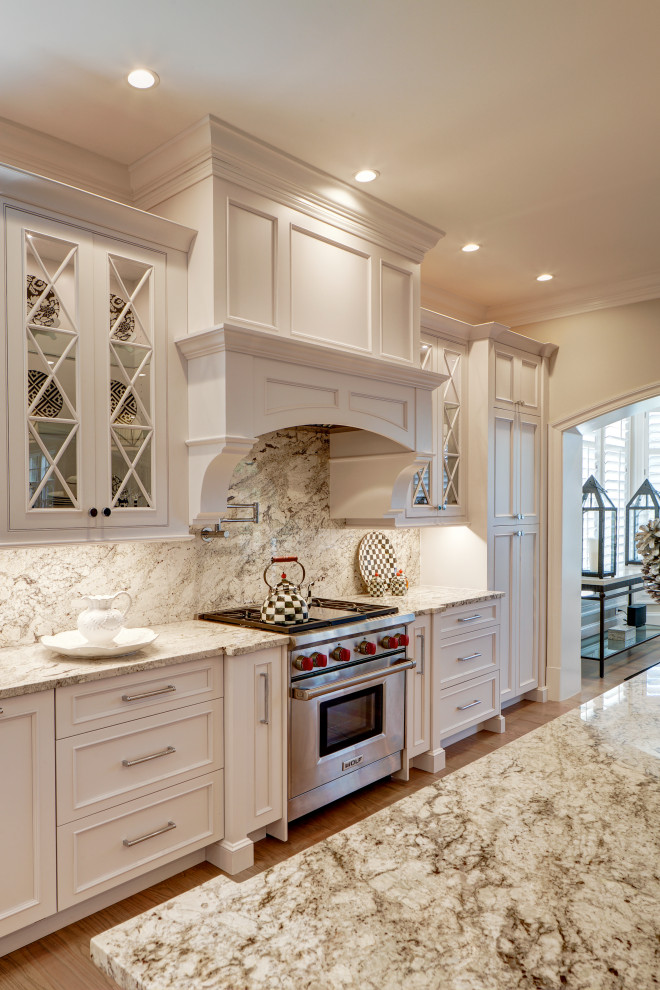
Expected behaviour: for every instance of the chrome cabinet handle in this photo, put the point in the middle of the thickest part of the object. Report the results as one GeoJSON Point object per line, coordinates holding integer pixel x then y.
{"type": "Point", "coordinates": [309, 694]}
{"type": "Point", "coordinates": [469, 618]}
{"type": "Point", "coordinates": [145, 759]}
{"type": "Point", "coordinates": [462, 708]}
{"type": "Point", "coordinates": [266, 719]}
{"type": "Point", "coordinates": [422, 653]}
{"type": "Point", "coordinates": [151, 835]}
{"type": "Point", "coordinates": [148, 694]}
{"type": "Point", "coordinates": [473, 656]}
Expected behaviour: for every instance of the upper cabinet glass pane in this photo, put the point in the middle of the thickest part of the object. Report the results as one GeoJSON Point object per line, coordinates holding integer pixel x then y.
{"type": "Point", "coordinates": [130, 329]}
{"type": "Point", "coordinates": [52, 386]}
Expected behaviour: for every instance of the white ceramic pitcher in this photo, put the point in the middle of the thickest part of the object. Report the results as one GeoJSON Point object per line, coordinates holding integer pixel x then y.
{"type": "Point", "coordinates": [99, 623]}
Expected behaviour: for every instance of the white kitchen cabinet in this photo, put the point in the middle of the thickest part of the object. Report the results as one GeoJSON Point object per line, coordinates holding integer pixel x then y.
{"type": "Point", "coordinates": [438, 493]}
{"type": "Point", "coordinates": [516, 467]}
{"type": "Point", "coordinates": [462, 678]}
{"type": "Point", "coordinates": [515, 570]}
{"type": "Point", "coordinates": [255, 755]}
{"type": "Point", "coordinates": [87, 353]}
{"type": "Point", "coordinates": [94, 298]}
{"type": "Point", "coordinates": [516, 379]}
{"type": "Point", "coordinates": [27, 811]}
{"type": "Point", "coordinates": [139, 770]}
{"type": "Point", "coordinates": [419, 687]}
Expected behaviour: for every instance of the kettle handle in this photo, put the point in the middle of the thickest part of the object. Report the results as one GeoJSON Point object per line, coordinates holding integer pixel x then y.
{"type": "Point", "coordinates": [283, 560]}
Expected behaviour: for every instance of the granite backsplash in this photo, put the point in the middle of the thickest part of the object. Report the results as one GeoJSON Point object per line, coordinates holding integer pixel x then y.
{"type": "Point", "coordinates": [286, 472]}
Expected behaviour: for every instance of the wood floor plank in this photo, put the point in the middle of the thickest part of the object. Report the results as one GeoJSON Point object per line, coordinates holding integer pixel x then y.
{"type": "Point", "coordinates": [61, 960]}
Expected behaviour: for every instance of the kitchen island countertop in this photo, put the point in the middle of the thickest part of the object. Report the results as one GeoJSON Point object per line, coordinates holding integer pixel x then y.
{"type": "Point", "coordinates": [537, 866]}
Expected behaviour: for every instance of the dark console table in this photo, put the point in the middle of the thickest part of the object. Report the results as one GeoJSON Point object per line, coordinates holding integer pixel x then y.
{"type": "Point", "coordinates": [602, 590]}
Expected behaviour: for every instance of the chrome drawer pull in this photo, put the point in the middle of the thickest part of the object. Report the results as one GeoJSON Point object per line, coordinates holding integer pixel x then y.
{"type": "Point", "coordinates": [145, 759]}
{"type": "Point", "coordinates": [151, 835]}
{"type": "Point", "coordinates": [266, 719]}
{"type": "Point", "coordinates": [422, 663]}
{"type": "Point", "coordinates": [473, 656]}
{"type": "Point", "coordinates": [148, 694]}
{"type": "Point", "coordinates": [461, 708]}
{"type": "Point", "coordinates": [469, 618]}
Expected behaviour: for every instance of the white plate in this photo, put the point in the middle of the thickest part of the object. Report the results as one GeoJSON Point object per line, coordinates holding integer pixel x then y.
{"type": "Point", "coordinates": [74, 644]}
{"type": "Point", "coordinates": [376, 553]}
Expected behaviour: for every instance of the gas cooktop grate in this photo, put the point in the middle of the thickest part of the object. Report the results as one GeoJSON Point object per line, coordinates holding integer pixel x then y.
{"type": "Point", "coordinates": [323, 613]}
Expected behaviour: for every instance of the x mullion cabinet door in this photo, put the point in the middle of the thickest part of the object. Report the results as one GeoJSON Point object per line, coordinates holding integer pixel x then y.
{"type": "Point", "coordinates": [50, 326]}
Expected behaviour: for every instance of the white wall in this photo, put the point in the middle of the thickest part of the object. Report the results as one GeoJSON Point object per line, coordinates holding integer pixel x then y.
{"type": "Point", "coordinates": [454, 556]}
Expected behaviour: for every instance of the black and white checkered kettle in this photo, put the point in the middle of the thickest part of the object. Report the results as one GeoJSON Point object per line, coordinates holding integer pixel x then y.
{"type": "Point", "coordinates": [285, 606]}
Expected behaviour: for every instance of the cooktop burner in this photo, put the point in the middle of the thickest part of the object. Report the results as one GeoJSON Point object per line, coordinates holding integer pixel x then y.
{"type": "Point", "coordinates": [323, 612]}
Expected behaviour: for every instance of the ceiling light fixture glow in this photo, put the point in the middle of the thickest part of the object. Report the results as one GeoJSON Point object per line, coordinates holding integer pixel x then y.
{"type": "Point", "coordinates": [544, 278]}
{"type": "Point", "coordinates": [470, 247]}
{"type": "Point", "coordinates": [366, 175]}
{"type": "Point", "coordinates": [142, 78]}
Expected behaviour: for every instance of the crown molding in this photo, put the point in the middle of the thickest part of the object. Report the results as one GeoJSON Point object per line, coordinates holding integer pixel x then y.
{"type": "Point", "coordinates": [34, 151]}
{"type": "Point", "coordinates": [48, 194]}
{"type": "Point", "coordinates": [583, 300]}
{"type": "Point", "coordinates": [442, 301]}
{"type": "Point", "coordinates": [213, 147]}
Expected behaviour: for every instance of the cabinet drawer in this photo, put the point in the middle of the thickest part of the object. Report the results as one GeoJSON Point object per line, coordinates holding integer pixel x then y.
{"type": "Point", "coordinates": [96, 770]}
{"type": "Point", "coordinates": [96, 704]}
{"type": "Point", "coordinates": [104, 850]}
{"type": "Point", "coordinates": [464, 706]}
{"type": "Point", "coordinates": [463, 618]}
{"type": "Point", "coordinates": [463, 658]}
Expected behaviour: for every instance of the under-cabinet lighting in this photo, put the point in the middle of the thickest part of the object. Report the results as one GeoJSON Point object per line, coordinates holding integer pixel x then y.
{"type": "Point", "coordinates": [366, 175]}
{"type": "Point", "coordinates": [142, 78]}
{"type": "Point", "coordinates": [544, 278]}
{"type": "Point", "coordinates": [470, 247]}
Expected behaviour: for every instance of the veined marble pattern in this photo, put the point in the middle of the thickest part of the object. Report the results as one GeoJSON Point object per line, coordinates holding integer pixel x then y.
{"type": "Point", "coordinates": [538, 866]}
{"type": "Point", "coordinates": [286, 472]}
{"type": "Point", "coordinates": [426, 599]}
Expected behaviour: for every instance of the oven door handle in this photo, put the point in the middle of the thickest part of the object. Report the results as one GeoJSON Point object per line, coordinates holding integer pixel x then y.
{"type": "Point", "coordinates": [308, 694]}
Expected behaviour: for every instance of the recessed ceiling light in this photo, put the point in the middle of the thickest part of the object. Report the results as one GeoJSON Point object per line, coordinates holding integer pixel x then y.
{"type": "Point", "coordinates": [366, 175]}
{"type": "Point", "coordinates": [543, 278]}
{"type": "Point", "coordinates": [143, 78]}
{"type": "Point", "coordinates": [470, 247]}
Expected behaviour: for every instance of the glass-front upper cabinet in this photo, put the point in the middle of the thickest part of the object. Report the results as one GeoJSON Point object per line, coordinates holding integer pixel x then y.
{"type": "Point", "coordinates": [83, 315]}
{"type": "Point", "coordinates": [437, 492]}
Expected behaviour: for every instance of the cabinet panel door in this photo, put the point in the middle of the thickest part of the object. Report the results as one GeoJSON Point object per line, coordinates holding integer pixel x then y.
{"type": "Point", "coordinates": [420, 686]}
{"type": "Point", "coordinates": [504, 578]}
{"type": "Point", "coordinates": [528, 384]}
{"type": "Point", "coordinates": [504, 378]}
{"type": "Point", "coordinates": [504, 456]}
{"type": "Point", "coordinates": [51, 382]}
{"type": "Point", "coordinates": [529, 467]}
{"type": "Point", "coordinates": [528, 619]}
{"type": "Point", "coordinates": [27, 812]}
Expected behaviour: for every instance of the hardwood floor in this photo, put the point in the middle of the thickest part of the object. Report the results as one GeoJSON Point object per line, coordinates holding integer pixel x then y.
{"type": "Point", "coordinates": [61, 960]}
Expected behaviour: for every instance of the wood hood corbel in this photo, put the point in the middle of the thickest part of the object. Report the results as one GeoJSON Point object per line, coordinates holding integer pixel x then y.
{"type": "Point", "coordinates": [243, 383]}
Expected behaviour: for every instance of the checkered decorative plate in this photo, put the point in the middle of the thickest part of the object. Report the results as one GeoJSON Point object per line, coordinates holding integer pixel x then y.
{"type": "Point", "coordinates": [376, 553]}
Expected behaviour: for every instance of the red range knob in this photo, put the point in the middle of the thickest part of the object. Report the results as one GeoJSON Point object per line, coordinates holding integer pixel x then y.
{"type": "Point", "coordinates": [319, 659]}
{"type": "Point", "coordinates": [404, 639]}
{"type": "Point", "coordinates": [366, 647]}
{"type": "Point", "coordinates": [339, 653]}
{"type": "Point", "coordinates": [390, 642]}
{"type": "Point", "coordinates": [303, 663]}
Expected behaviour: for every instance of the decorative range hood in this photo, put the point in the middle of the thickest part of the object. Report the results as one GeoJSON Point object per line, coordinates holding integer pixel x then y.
{"type": "Point", "coordinates": [311, 290]}
{"type": "Point", "coordinates": [243, 383]}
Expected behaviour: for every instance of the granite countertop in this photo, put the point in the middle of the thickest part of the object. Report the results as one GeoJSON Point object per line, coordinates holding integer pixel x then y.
{"type": "Point", "coordinates": [537, 866]}
{"type": "Point", "coordinates": [26, 669]}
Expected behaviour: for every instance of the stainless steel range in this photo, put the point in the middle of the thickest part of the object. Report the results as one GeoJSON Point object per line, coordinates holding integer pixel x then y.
{"type": "Point", "coordinates": [347, 691]}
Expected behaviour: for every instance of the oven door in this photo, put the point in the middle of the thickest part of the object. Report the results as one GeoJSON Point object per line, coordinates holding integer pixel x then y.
{"type": "Point", "coordinates": [338, 726]}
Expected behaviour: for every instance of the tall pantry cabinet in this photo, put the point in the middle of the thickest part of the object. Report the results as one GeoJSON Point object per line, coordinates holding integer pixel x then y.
{"type": "Point", "coordinates": [503, 547]}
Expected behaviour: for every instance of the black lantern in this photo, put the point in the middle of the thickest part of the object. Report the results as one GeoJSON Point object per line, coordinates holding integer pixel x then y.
{"type": "Point", "coordinates": [598, 531]}
{"type": "Point", "coordinates": [642, 507]}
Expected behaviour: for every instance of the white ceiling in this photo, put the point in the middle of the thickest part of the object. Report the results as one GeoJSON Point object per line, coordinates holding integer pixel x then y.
{"type": "Point", "coordinates": [528, 126]}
